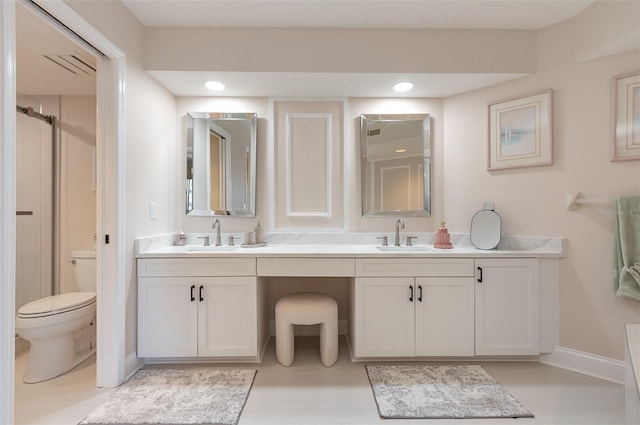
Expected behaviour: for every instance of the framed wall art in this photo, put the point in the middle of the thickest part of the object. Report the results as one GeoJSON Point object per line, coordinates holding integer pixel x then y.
{"type": "Point", "coordinates": [520, 133]}
{"type": "Point", "coordinates": [626, 117]}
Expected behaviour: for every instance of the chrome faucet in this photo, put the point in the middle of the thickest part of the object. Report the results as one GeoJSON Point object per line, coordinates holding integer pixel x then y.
{"type": "Point", "coordinates": [399, 225]}
{"type": "Point", "coordinates": [216, 225]}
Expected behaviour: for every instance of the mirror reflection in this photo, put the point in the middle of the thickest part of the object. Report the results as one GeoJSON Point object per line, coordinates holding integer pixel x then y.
{"type": "Point", "coordinates": [396, 161]}
{"type": "Point", "coordinates": [221, 164]}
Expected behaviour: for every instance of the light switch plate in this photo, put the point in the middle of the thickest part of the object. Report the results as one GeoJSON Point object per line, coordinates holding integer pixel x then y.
{"type": "Point", "coordinates": [153, 210]}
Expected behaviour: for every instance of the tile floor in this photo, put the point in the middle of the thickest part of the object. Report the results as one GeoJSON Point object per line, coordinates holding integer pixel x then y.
{"type": "Point", "coordinates": [308, 393]}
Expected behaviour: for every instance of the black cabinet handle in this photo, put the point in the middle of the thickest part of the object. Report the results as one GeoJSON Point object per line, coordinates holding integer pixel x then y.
{"type": "Point", "coordinates": [200, 293]}
{"type": "Point", "coordinates": [192, 297]}
{"type": "Point", "coordinates": [480, 277]}
{"type": "Point", "coordinates": [411, 293]}
{"type": "Point", "coordinates": [420, 293]}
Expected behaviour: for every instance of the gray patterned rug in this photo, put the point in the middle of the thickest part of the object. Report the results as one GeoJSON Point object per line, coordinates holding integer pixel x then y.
{"type": "Point", "coordinates": [443, 392]}
{"type": "Point", "coordinates": [160, 396]}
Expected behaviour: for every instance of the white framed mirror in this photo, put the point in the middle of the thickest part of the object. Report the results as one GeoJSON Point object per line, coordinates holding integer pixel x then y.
{"type": "Point", "coordinates": [395, 154]}
{"type": "Point", "coordinates": [221, 164]}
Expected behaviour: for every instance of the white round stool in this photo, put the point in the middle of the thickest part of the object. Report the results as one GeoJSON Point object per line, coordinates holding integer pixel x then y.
{"type": "Point", "coordinates": [307, 309]}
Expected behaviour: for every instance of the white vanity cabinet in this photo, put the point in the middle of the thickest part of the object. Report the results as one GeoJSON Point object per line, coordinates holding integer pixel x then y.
{"type": "Point", "coordinates": [167, 318]}
{"type": "Point", "coordinates": [444, 316]}
{"type": "Point", "coordinates": [384, 317]}
{"type": "Point", "coordinates": [465, 303]}
{"type": "Point", "coordinates": [199, 308]}
{"type": "Point", "coordinates": [507, 306]}
{"type": "Point", "coordinates": [446, 307]}
{"type": "Point", "coordinates": [421, 307]}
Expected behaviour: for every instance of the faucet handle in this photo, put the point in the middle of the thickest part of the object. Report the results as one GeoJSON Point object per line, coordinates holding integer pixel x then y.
{"type": "Point", "coordinates": [385, 240]}
{"type": "Point", "coordinates": [206, 240]}
{"type": "Point", "coordinates": [231, 238]}
{"type": "Point", "coordinates": [410, 240]}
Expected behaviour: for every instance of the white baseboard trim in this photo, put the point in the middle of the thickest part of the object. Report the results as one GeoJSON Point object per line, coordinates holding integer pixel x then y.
{"type": "Point", "coordinates": [304, 330]}
{"type": "Point", "coordinates": [601, 367]}
{"type": "Point", "coordinates": [132, 364]}
{"type": "Point", "coordinates": [586, 363]}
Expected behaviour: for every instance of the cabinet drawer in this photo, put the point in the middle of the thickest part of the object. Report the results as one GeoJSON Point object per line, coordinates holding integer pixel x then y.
{"type": "Point", "coordinates": [153, 267]}
{"type": "Point", "coordinates": [426, 267]}
{"type": "Point", "coordinates": [330, 267]}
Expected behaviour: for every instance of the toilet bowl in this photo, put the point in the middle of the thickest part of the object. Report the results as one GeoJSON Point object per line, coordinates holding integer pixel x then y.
{"type": "Point", "coordinates": [61, 328]}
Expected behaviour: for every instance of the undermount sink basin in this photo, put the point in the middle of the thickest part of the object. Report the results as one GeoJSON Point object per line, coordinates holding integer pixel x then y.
{"type": "Point", "coordinates": [211, 248]}
{"type": "Point", "coordinates": [404, 248]}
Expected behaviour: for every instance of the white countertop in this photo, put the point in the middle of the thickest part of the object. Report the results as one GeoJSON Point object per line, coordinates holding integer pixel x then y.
{"type": "Point", "coordinates": [279, 246]}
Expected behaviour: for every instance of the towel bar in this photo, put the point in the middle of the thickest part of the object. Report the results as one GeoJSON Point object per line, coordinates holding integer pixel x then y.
{"type": "Point", "coordinates": [574, 201]}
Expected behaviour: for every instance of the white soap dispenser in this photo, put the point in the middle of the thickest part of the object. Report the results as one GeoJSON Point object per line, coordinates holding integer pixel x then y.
{"type": "Point", "coordinates": [259, 238]}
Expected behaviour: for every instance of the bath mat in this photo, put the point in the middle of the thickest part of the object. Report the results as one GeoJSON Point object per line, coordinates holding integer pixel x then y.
{"type": "Point", "coordinates": [161, 396]}
{"type": "Point", "coordinates": [443, 392]}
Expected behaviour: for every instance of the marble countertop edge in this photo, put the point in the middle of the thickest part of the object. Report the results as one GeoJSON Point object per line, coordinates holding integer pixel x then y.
{"type": "Point", "coordinates": [352, 245]}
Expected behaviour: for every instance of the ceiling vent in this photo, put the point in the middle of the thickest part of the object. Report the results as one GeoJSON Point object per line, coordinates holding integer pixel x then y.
{"type": "Point", "coordinates": [73, 63]}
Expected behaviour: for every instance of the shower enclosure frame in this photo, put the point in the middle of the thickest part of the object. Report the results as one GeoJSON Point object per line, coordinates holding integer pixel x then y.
{"type": "Point", "coordinates": [52, 120]}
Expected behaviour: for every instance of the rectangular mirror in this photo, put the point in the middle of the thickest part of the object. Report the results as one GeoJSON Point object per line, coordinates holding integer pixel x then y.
{"type": "Point", "coordinates": [396, 165]}
{"type": "Point", "coordinates": [221, 164]}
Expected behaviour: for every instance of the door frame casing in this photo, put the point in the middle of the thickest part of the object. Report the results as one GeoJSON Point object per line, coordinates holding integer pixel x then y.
{"type": "Point", "coordinates": [110, 141]}
{"type": "Point", "coordinates": [7, 209]}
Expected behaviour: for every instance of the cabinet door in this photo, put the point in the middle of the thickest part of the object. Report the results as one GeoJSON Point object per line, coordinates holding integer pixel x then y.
{"type": "Point", "coordinates": [445, 316]}
{"type": "Point", "coordinates": [167, 318]}
{"type": "Point", "coordinates": [384, 317]}
{"type": "Point", "coordinates": [227, 324]}
{"type": "Point", "coordinates": [507, 312]}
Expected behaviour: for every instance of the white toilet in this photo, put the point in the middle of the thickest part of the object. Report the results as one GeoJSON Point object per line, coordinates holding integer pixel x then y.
{"type": "Point", "coordinates": [61, 328]}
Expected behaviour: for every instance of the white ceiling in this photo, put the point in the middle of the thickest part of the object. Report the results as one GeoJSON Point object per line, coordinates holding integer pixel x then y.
{"type": "Point", "coordinates": [296, 84]}
{"type": "Point", "coordinates": [37, 75]}
{"type": "Point", "coordinates": [449, 14]}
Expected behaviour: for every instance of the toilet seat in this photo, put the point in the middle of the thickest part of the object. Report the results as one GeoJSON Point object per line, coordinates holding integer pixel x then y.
{"type": "Point", "coordinates": [56, 304]}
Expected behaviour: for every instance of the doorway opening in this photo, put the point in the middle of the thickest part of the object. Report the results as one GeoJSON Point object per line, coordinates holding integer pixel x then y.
{"type": "Point", "coordinates": [56, 191]}
{"type": "Point", "coordinates": [110, 182]}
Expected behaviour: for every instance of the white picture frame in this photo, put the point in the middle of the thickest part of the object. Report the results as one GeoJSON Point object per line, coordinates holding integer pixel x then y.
{"type": "Point", "coordinates": [520, 132]}
{"type": "Point", "coordinates": [625, 140]}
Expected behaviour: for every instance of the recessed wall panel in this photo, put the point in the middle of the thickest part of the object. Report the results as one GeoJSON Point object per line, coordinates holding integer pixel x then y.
{"type": "Point", "coordinates": [309, 164]}
{"type": "Point", "coordinates": [308, 178]}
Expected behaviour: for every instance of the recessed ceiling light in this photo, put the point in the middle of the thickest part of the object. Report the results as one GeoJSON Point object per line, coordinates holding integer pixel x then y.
{"type": "Point", "coordinates": [403, 86]}
{"type": "Point", "coordinates": [401, 150]}
{"type": "Point", "coordinates": [214, 85]}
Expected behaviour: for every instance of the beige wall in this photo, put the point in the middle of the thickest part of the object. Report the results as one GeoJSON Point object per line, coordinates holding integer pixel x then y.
{"type": "Point", "coordinates": [532, 200]}
{"type": "Point", "coordinates": [339, 50]}
{"type": "Point", "coordinates": [150, 141]}
{"type": "Point", "coordinates": [77, 196]}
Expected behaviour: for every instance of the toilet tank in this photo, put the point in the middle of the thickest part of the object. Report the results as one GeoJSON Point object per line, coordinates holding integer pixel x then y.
{"type": "Point", "coordinates": [84, 270]}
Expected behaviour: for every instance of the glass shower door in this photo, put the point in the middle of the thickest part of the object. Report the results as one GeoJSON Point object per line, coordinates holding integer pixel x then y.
{"type": "Point", "coordinates": [34, 230]}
